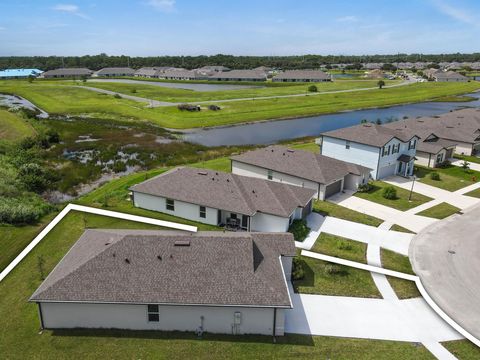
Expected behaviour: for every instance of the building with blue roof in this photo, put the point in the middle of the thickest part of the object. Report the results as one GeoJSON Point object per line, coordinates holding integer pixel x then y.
{"type": "Point", "coordinates": [19, 73]}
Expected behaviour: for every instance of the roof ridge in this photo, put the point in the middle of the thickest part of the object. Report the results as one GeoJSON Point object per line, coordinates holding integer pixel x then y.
{"type": "Point", "coordinates": [245, 195]}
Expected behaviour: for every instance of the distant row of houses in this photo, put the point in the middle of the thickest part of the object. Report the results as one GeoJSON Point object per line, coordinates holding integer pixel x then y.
{"type": "Point", "coordinates": [211, 73]}
{"type": "Point", "coordinates": [416, 65]}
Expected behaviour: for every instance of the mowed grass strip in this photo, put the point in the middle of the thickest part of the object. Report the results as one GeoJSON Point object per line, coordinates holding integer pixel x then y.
{"type": "Point", "coordinates": [20, 324]}
{"type": "Point", "coordinates": [327, 208]}
{"type": "Point", "coordinates": [440, 211]}
{"type": "Point", "coordinates": [474, 193]}
{"type": "Point", "coordinates": [340, 247]}
{"type": "Point", "coordinates": [13, 127]}
{"type": "Point", "coordinates": [404, 289]}
{"type": "Point", "coordinates": [401, 202]}
{"type": "Point", "coordinates": [56, 98]}
{"type": "Point", "coordinates": [396, 227]}
{"type": "Point", "coordinates": [463, 349]}
{"type": "Point", "coordinates": [452, 177]}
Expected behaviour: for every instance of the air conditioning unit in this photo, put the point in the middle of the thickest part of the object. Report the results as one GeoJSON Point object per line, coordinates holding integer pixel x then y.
{"type": "Point", "coordinates": [237, 318]}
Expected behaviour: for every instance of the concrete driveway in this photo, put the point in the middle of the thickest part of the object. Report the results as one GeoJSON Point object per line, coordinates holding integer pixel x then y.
{"type": "Point", "coordinates": [458, 162]}
{"type": "Point", "coordinates": [446, 257]}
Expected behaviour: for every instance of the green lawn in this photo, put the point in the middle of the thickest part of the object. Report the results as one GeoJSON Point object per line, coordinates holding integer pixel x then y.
{"type": "Point", "coordinates": [326, 208]}
{"type": "Point", "coordinates": [474, 193]}
{"type": "Point", "coordinates": [404, 289]}
{"type": "Point", "coordinates": [399, 228]}
{"type": "Point", "coordinates": [451, 178]}
{"type": "Point", "coordinates": [21, 338]}
{"type": "Point", "coordinates": [326, 278]}
{"type": "Point", "coordinates": [340, 247]}
{"type": "Point", "coordinates": [440, 211]}
{"type": "Point", "coordinates": [463, 349]}
{"type": "Point", "coordinates": [470, 159]}
{"type": "Point", "coordinates": [56, 98]}
{"type": "Point", "coordinates": [149, 91]}
{"type": "Point", "coordinates": [13, 127]}
{"type": "Point", "coordinates": [400, 203]}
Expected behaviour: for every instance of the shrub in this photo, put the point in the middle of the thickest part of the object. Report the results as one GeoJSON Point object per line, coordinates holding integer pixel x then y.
{"type": "Point", "coordinates": [188, 107]}
{"type": "Point", "coordinates": [26, 210]}
{"type": "Point", "coordinates": [214, 107]}
{"type": "Point", "coordinates": [299, 229]}
{"type": "Point", "coordinates": [134, 91]}
{"type": "Point", "coordinates": [298, 273]}
{"type": "Point", "coordinates": [312, 88]}
{"type": "Point", "coordinates": [445, 164]}
{"type": "Point", "coordinates": [119, 166]}
{"type": "Point", "coordinates": [117, 96]}
{"type": "Point", "coordinates": [389, 193]}
{"type": "Point", "coordinates": [335, 269]}
{"type": "Point", "coordinates": [435, 176]}
{"type": "Point", "coordinates": [364, 187]}
{"type": "Point", "coordinates": [34, 176]}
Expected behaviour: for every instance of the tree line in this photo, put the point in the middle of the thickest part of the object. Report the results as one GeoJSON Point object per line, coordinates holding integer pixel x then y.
{"type": "Point", "coordinates": [96, 62]}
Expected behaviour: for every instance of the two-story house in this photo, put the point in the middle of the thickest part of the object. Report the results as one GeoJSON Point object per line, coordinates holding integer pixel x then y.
{"type": "Point", "coordinates": [386, 151]}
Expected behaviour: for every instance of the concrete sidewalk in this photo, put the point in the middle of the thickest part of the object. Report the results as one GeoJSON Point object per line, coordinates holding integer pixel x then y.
{"type": "Point", "coordinates": [439, 195]}
{"type": "Point", "coordinates": [407, 220]}
{"type": "Point", "coordinates": [458, 162]}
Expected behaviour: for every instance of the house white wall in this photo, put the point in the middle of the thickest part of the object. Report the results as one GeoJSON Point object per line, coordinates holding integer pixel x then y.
{"type": "Point", "coordinates": [240, 168]}
{"type": "Point", "coordinates": [219, 319]}
{"type": "Point", "coordinates": [387, 165]}
{"type": "Point", "coordinates": [182, 209]}
{"type": "Point", "coordinates": [430, 160]}
{"type": "Point", "coordinates": [353, 181]}
{"type": "Point", "coordinates": [268, 223]}
{"type": "Point", "coordinates": [463, 148]}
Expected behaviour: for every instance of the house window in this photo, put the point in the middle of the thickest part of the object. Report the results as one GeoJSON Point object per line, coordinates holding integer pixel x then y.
{"type": "Point", "coordinates": [396, 148]}
{"type": "Point", "coordinates": [233, 216]}
{"type": "Point", "coordinates": [386, 150]}
{"type": "Point", "coordinates": [440, 158]}
{"type": "Point", "coordinates": [347, 145]}
{"type": "Point", "coordinates": [153, 314]}
{"type": "Point", "coordinates": [203, 212]}
{"type": "Point", "coordinates": [170, 205]}
{"type": "Point", "coordinates": [412, 144]}
{"type": "Point", "coordinates": [270, 175]}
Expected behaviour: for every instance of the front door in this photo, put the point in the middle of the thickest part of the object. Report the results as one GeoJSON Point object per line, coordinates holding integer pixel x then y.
{"type": "Point", "coordinates": [244, 221]}
{"type": "Point", "coordinates": [400, 167]}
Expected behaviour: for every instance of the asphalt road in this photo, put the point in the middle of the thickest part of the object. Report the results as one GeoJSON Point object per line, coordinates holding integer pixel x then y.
{"type": "Point", "coordinates": [446, 257]}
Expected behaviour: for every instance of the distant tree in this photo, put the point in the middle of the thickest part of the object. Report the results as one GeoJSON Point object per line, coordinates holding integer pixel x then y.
{"type": "Point", "coordinates": [30, 79]}
{"type": "Point", "coordinates": [312, 88]}
{"type": "Point", "coordinates": [420, 73]}
{"type": "Point", "coordinates": [381, 84]}
{"type": "Point", "coordinates": [433, 66]}
{"type": "Point", "coordinates": [467, 68]}
{"type": "Point", "coordinates": [389, 67]}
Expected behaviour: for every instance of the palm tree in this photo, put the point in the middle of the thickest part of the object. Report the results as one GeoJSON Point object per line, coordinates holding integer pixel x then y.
{"type": "Point", "coordinates": [380, 84]}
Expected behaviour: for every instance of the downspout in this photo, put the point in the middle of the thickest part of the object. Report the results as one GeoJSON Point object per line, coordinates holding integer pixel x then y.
{"type": "Point", "coordinates": [40, 315]}
{"type": "Point", "coordinates": [274, 324]}
{"type": "Point", "coordinates": [429, 158]}
{"type": "Point", "coordinates": [318, 193]}
{"type": "Point", "coordinates": [378, 162]}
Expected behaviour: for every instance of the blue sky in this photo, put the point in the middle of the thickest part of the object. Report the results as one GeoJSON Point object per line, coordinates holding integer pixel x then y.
{"type": "Point", "coordinates": [247, 27]}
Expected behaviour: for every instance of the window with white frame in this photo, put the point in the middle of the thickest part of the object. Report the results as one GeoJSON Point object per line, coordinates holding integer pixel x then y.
{"type": "Point", "coordinates": [170, 204]}
{"type": "Point", "coordinates": [203, 212]}
{"type": "Point", "coordinates": [153, 314]}
{"type": "Point", "coordinates": [347, 144]}
{"type": "Point", "coordinates": [412, 144]}
{"type": "Point", "coordinates": [270, 175]}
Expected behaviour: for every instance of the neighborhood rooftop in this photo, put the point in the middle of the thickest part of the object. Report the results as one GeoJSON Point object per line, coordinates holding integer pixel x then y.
{"type": "Point", "coordinates": [304, 164]}
{"type": "Point", "coordinates": [369, 134]}
{"type": "Point", "coordinates": [168, 267]}
{"type": "Point", "coordinates": [226, 191]}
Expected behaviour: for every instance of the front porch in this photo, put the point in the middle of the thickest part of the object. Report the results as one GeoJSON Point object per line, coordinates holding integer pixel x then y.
{"type": "Point", "coordinates": [405, 165]}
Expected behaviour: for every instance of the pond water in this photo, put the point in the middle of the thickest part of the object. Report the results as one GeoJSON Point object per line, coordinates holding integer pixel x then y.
{"type": "Point", "coordinates": [274, 131]}
{"type": "Point", "coordinates": [184, 86]}
{"type": "Point", "coordinates": [15, 102]}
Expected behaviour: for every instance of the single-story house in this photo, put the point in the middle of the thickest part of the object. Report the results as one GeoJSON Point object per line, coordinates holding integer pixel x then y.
{"type": "Point", "coordinates": [67, 73]}
{"type": "Point", "coordinates": [386, 151]}
{"type": "Point", "coordinates": [178, 74]}
{"type": "Point", "coordinates": [302, 76]}
{"type": "Point", "coordinates": [239, 75]}
{"type": "Point", "coordinates": [449, 76]}
{"type": "Point", "coordinates": [19, 73]}
{"type": "Point", "coordinates": [375, 74]}
{"type": "Point", "coordinates": [114, 71]}
{"type": "Point", "coordinates": [216, 282]}
{"type": "Point", "coordinates": [224, 199]}
{"type": "Point", "coordinates": [214, 68]}
{"type": "Point", "coordinates": [461, 127]}
{"type": "Point", "coordinates": [326, 175]}
{"type": "Point", "coordinates": [147, 72]}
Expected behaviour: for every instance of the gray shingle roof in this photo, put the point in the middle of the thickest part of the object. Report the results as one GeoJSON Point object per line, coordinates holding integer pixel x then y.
{"type": "Point", "coordinates": [302, 75]}
{"type": "Point", "coordinates": [303, 164]}
{"type": "Point", "coordinates": [240, 74]}
{"type": "Point", "coordinates": [225, 191]}
{"type": "Point", "coordinates": [68, 72]}
{"type": "Point", "coordinates": [115, 70]}
{"type": "Point", "coordinates": [461, 125]}
{"type": "Point", "coordinates": [215, 269]}
{"type": "Point", "coordinates": [449, 75]}
{"type": "Point", "coordinates": [369, 134]}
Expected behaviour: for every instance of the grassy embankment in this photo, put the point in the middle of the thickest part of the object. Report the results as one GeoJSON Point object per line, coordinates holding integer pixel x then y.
{"type": "Point", "coordinates": [21, 338]}
{"type": "Point", "coordinates": [440, 211]}
{"type": "Point", "coordinates": [451, 178]}
{"type": "Point", "coordinates": [59, 99]}
{"type": "Point", "coordinates": [14, 127]}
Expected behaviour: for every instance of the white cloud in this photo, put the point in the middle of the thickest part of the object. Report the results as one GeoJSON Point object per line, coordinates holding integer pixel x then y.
{"type": "Point", "coordinates": [454, 12]}
{"type": "Point", "coordinates": [162, 5]}
{"type": "Point", "coordinates": [348, 18]}
{"type": "Point", "coordinates": [71, 9]}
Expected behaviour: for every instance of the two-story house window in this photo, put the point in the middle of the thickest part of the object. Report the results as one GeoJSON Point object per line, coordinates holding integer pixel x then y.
{"type": "Point", "coordinates": [412, 144]}
{"type": "Point", "coordinates": [347, 144]}
{"type": "Point", "coordinates": [386, 150]}
{"type": "Point", "coordinates": [396, 148]}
